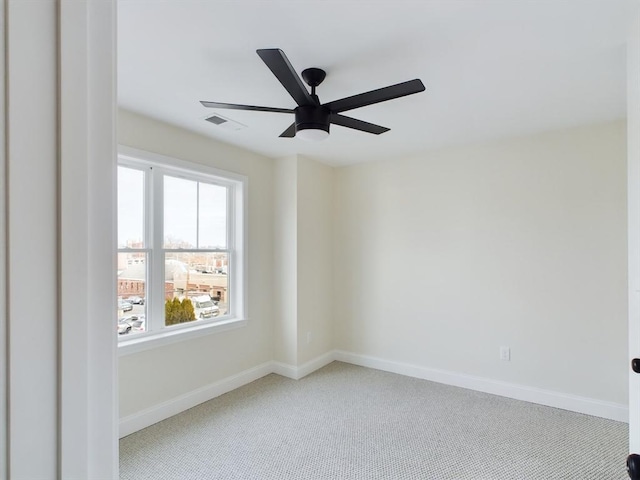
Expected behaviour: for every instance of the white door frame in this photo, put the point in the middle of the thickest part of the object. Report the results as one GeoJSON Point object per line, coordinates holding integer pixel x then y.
{"type": "Point", "coordinates": [4, 372]}
{"type": "Point", "coordinates": [58, 341]}
{"type": "Point", "coordinates": [633, 224]}
{"type": "Point", "coordinates": [87, 274]}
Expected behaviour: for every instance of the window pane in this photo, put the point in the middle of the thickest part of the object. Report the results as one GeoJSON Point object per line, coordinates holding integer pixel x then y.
{"type": "Point", "coordinates": [212, 216]}
{"type": "Point", "coordinates": [180, 213]}
{"type": "Point", "coordinates": [132, 296]}
{"type": "Point", "coordinates": [130, 208]}
{"type": "Point", "coordinates": [198, 279]}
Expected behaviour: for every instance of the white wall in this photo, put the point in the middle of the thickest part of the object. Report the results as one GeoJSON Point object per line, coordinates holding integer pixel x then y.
{"type": "Point", "coordinates": [304, 260]}
{"type": "Point", "coordinates": [436, 261]}
{"type": "Point", "coordinates": [290, 273]}
{"type": "Point", "coordinates": [285, 298]}
{"type": "Point", "coordinates": [315, 259]}
{"type": "Point", "coordinates": [442, 258]}
{"type": "Point", "coordinates": [151, 377]}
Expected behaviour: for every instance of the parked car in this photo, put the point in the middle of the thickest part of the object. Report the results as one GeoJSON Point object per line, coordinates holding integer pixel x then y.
{"type": "Point", "coordinates": [136, 300]}
{"type": "Point", "coordinates": [124, 306]}
{"type": "Point", "coordinates": [131, 323]}
{"type": "Point", "coordinates": [138, 325]}
{"type": "Point", "coordinates": [204, 307]}
{"type": "Point", "coordinates": [136, 322]}
{"type": "Point", "coordinates": [123, 327]}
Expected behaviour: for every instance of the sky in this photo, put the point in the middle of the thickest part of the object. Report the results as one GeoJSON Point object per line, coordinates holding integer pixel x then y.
{"type": "Point", "coordinates": [201, 226]}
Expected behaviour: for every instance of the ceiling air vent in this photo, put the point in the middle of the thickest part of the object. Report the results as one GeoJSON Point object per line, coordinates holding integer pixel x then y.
{"type": "Point", "coordinates": [216, 120]}
{"type": "Point", "coordinates": [224, 122]}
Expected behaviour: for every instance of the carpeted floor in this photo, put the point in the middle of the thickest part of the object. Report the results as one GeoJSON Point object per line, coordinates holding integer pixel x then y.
{"type": "Point", "coordinates": [349, 422]}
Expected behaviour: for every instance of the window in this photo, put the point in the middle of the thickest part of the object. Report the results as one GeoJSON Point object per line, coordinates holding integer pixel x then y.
{"type": "Point", "coordinates": [180, 248]}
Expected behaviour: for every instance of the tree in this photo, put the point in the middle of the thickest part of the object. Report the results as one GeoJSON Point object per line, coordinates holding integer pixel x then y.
{"type": "Point", "coordinates": [187, 308]}
{"type": "Point", "coordinates": [176, 311]}
{"type": "Point", "coordinates": [168, 313]}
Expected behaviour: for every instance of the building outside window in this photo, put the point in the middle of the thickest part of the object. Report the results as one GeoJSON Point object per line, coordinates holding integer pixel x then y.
{"type": "Point", "coordinates": [180, 246]}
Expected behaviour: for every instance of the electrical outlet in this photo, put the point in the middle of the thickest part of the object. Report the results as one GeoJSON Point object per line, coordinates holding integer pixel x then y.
{"type": "Point", "coordinates": [505, 354]}
{"type": "Point", "coordinates": [308, 337]}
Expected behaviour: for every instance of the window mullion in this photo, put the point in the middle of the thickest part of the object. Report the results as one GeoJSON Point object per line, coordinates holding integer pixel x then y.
{"type": "Point", "coordinates": [217, 270]}
{"type": "Point", "coordinates": [231, 250]}
{"type": "Point", "coordinates": [197, 214]}
{"type": "Point", "coordinates": [157, 242]}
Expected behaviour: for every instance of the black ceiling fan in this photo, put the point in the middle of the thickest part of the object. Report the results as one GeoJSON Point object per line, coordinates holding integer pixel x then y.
{"type": "Point", "coordinates": [312, 118]}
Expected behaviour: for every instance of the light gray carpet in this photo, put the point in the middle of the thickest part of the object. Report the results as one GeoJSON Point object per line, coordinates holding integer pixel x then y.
{"type": "Point", "coordinates": [348, 422]}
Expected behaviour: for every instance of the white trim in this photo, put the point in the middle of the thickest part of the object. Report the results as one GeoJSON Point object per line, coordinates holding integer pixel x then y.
{"type": "Point", "coordinates": [296, 373]}
{"type": "Point", "coordinates": [31, 84]}
{"type": "Point", "coordinates": [102, 356]}
{"type": "Point", "coordinates": [589, 406]}
{"type": "Point", "coordinates": [143, 342]}
{"type": "Point", "coordinates": [73, 242]}
{"type": "Point", "coordinates": [59, 61]}
{"type": "Point", "coordinates": [4, 359]}
{"type": "Point", "coordinates": [285, 370]}
{"type": "Point", "coordinates": [175, 164]}
{"type": "Point", "coordinates": [633, 224]}
{"type": "Point", "coordinates": [157, 413]}
{"type": "Point", "coordinates": [138, 421]}
{"type": "Point", "coordinates": [236, 248]}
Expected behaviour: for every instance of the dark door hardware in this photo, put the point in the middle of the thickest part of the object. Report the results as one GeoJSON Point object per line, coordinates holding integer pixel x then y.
{"type": "Point", "coordinates": [633, 466]}
{"type": "Point", "coordinates": [633, 460]}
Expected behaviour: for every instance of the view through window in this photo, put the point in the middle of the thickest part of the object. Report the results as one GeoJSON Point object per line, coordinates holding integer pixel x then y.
{"type": "Point", "coordinates": [176, 248]}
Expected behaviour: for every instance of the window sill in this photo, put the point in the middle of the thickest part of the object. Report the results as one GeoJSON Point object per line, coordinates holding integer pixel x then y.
{"type": "Point", "coordinates": [143, 342]}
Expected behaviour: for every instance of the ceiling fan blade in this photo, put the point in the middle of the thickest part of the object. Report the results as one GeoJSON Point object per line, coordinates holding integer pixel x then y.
{"type": "Point", "coordinates": [357, 124]}
{"type": "Point", "coordinates": [233, 106]}
{"type": "Point", "coordinates": [376, 96]}
{"type": "Point", "coordinates": [279, 65]}
{"type": "Point", "coordinates": [289, 132]}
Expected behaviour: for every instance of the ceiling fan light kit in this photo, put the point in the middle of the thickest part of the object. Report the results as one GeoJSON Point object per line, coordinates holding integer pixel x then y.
{"type": "Point", "coordinates": [312, 119]}
{"type": "Point", "coordinates": [312, 123]}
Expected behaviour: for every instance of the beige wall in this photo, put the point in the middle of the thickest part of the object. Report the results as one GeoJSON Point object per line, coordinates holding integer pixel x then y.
{"type": "Point", "coordinates": [434, 261]}
{"type": "Point", "coordinates": [151, 377]}
{"type": "Point", "coordinates": [315, 259]}
{"type": "Point", "coordinates": [304, 260]}
{"type": "Point", "coordinates": [442, 258]}
{"type": "Point", "coordinates": [286, 261]}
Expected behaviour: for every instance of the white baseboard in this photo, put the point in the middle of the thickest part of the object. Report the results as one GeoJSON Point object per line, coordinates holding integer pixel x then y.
{"type": "Point", "coordinates": [145, 418]}
{"type": "Point", "coordinates": [285, 369]}
{"type": "Point", "coordinates": [162, 411]}
{"type": "Point", "coordinates": [296, 373]}
{"type": "Point", "coordinates": [589, 406]}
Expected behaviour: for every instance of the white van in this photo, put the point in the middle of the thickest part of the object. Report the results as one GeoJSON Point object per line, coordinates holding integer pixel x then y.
{"type": "Point", "coordinates": [204, 307]}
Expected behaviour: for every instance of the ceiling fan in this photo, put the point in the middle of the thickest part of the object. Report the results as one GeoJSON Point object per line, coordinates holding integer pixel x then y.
{"type": "Point", "coordinates": [312, 119]}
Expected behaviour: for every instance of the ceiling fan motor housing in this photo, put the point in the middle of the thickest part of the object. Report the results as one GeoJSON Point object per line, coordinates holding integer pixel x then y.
{"type": "Point", "coordinates": [312, 117]}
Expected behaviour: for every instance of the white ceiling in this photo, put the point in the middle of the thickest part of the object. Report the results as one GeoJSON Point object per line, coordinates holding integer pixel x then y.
{"type": "Point", "coordinates": [492, 68]}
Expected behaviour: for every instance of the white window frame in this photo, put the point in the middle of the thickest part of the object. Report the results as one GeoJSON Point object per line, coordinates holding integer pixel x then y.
{"type": "Point", "coordinates": [158, 334]}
